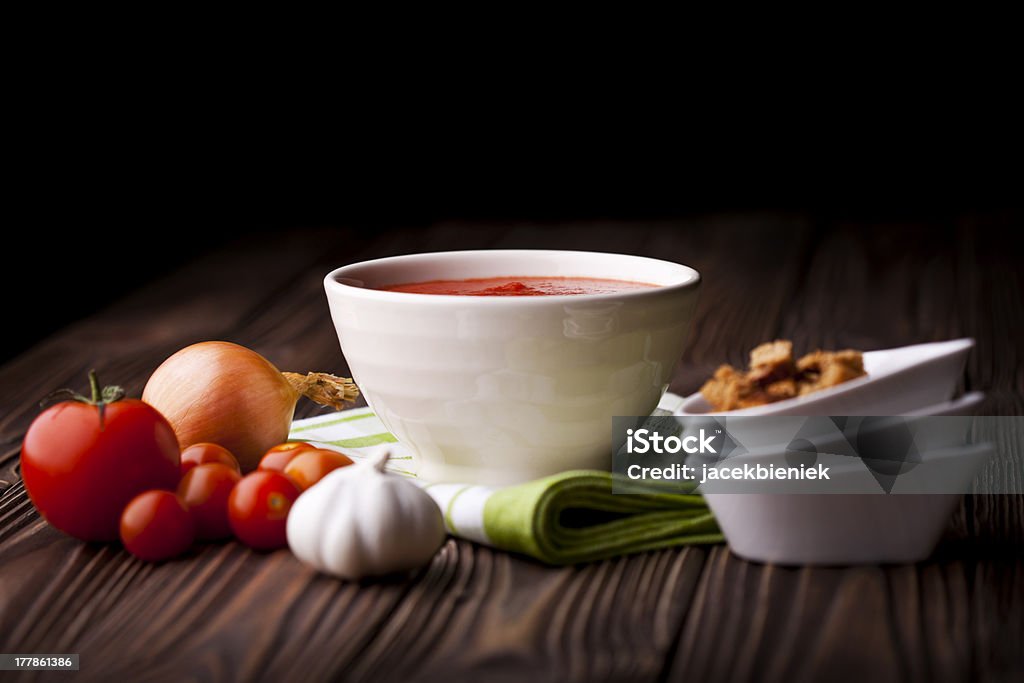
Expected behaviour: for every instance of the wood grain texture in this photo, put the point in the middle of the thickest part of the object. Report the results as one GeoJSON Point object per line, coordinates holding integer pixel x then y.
{"type": "Point", "coordinates": [225, 613]}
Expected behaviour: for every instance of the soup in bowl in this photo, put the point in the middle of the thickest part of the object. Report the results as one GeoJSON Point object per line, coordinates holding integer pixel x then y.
{"type": "Point", "coordinates": [496, 367]}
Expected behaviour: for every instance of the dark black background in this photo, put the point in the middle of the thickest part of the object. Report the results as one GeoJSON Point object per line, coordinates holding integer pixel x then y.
{"type": "Point", "coordinates": [134, 150]}
{"type": "Point", "coordinates": [103, 209]}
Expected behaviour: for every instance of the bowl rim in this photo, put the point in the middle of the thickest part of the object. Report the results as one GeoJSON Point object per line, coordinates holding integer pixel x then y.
{"type": "Point", "coordinates": [692, 280]}
{"type": "Point", "coordinates": [944, 350]}
{"type": "Point", "coordinates": [929, 456]}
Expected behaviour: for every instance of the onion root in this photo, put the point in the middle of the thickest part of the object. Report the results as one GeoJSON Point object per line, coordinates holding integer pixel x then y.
{"type": "Point", "coordinates": [323, 388]}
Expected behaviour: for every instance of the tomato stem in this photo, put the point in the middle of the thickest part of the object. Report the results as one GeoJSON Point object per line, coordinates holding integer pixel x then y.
{"type": "Point", "coordinates": [100, 396]}
{"type": "Point", "coordinates": [94, 384]}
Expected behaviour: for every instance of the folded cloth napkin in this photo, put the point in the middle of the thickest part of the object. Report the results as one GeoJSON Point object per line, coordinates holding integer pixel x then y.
{"type": "Point", "coordinates": [562, 519]}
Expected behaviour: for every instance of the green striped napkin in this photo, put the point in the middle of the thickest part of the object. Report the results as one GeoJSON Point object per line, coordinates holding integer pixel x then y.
{"type": "Point", "coordinates": [562, 519]}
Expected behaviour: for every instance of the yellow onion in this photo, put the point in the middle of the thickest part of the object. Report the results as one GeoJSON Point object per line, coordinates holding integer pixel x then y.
{"type": "Point", "coordinates": [227, 394]}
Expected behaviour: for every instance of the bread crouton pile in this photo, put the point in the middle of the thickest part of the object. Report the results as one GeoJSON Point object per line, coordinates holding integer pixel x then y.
{"type": "Point", "coordinates": [774, 375]}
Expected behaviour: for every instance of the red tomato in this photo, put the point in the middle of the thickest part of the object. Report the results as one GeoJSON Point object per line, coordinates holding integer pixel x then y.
{"type": "Point", "coordinates": [309, 467]}
{"type": "Point", "coordinates": [205, 491]}
{"type": "Point", "coordinates": [156, 526]}
{"type": "Point", "coordinates": [278, 457]}
{"type": "Point", "coordinates": [202, 453]}
{"type": "Point", "coordinates": [258, 509]}
{"type": "Point", "coordinates": [82, 462]}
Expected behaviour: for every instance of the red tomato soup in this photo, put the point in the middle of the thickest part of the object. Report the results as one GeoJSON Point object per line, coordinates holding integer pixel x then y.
{"type": "Point", "coordinates": [520, 286]}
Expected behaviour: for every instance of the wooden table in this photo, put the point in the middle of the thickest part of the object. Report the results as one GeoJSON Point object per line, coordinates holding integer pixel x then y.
{"type": "Point", "coordinates": [699, 614]}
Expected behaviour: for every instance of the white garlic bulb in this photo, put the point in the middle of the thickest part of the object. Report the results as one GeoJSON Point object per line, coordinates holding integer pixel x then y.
{"type": "Point", "coordinates": [361, 521]}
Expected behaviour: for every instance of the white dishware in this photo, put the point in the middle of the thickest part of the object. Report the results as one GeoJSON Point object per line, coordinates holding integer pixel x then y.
{"type": "Point", "coordinates": [501, 390]}
{"type": "Point", "coordinates": [898, 381]}
{"type": "Point", "coordinates": [860, 528]}
{"type": "Point", "coordinates": [774, 436]}
{"type": "Point", "coordinates": [965, 405]}
{"type": "Point", "coordinates": [926, 433]}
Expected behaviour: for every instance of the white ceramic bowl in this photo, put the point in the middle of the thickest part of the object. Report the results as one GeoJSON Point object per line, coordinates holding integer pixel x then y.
{"type": "Point", "coordinates": [500, 390]}
{"type": "Point", "coordinates": [964, 405]}
{"type": "Point", "coordinates": [901, 380]}
{"type": "Point", "coordinates": [837, 529]}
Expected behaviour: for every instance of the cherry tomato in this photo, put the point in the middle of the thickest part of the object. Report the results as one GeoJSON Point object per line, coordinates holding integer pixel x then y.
{"type": "Point", "coordinates": [205, 491]}
{"type": "Point", "coordinates": [84, 460]}
{"type": "Point", "coordinates": [278, 457]}
{"type": "Point", "coordinates": [258, 509]}
{"type": "Point", "coordinates": [202, 453]}
{"type": "Point", "coordinates": [309, 467]}
{"type": "Point", "coordinates": [156, 526]}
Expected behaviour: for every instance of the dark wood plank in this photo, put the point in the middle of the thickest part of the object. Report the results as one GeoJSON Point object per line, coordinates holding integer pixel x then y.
{"type": "Point", "coordinates": [875, 287]}
{"type": "Point", "coordinates": [226, 613]}
{"type": "Point", "coordinates": [497, 617]}
{"type": "Point", "coordinates": [880, 286]}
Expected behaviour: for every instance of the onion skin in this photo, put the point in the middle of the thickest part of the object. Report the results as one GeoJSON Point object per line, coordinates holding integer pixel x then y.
{"type": "Point", "coordinates": [225, 394]}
